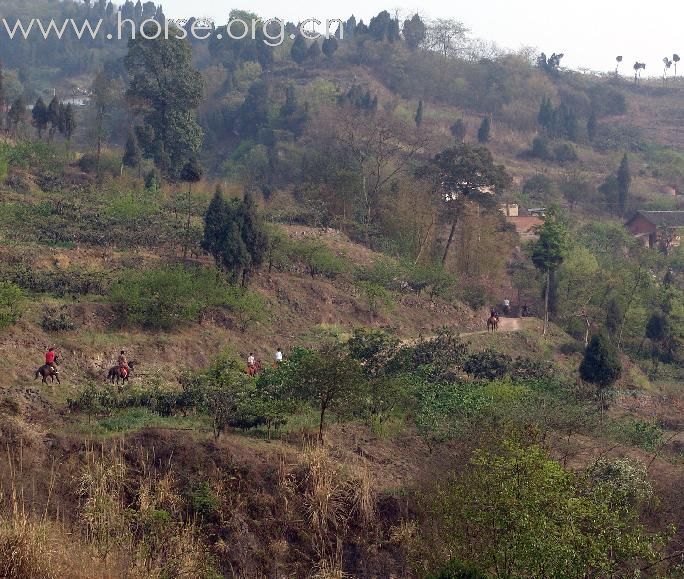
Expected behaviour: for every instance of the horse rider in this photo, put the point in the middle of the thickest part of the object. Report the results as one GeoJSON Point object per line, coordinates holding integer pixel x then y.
{"type": "Point", "coordinates": [493, 313]}
{"type": "Point", "coordinates": [279, 356]}
{"type": "Point", "coordinates": [123, 364]}
{"type": "Point", "coordinates": [251, 364]}
{"type": "Point", "coordinates": [50, 357]}
{"type": "Point", "coordinates": [524, 311]}
{"type": "Point", "coordinates": [507, 306]}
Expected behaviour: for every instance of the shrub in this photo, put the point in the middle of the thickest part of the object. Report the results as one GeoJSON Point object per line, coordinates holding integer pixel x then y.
{"type": "Point", "coordinates": [18, 183]}
{"type": "Point", "coordinates": [317, 258]}
{"type": "Point", "coordinates": [540, 149]}
{"type": "Point", "coordinates": [565, 153]}
{"type": "Point", "coordinates": [475, 295]}
{"type": "Point", "coordinates": [167, 297]}
{"type": "Point", "coordinates": [454, 569]}
{"type": "Point", "coordinates": [601, 364]}
{"type": "Point", "coordinates": [56, 320]}
{"type": "Point", "coordinates": [12, 302]}
{"type": "Point", "coordinates": [646, 435]}
{"type": "Point", "coordinates": [436, 358]}
{"type": "Point", "coordinates": [488, 365]}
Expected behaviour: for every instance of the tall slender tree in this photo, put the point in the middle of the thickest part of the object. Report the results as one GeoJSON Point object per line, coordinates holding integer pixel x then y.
{"type": "Point", "coordinates": [618, 60]}
{"type": "Point", "coordinates": [624, 181]}
{"type": "Point", "coordinates": [191, 173]}
{"type": "Point", "coordinates": [39, 116]}
{"type": "Point", "coordinates": [548, 253]}
{"type": "Point", "coordinates": [675, 60]}
{"type": "Point", "coordinates": [484, 132]}
{"type": "Point", "coordinates": [419, 113]}
{"type": "Point", "coordinates": [132, 157]}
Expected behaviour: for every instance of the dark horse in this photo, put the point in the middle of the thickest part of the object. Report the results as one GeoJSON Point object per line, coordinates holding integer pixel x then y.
{"type": "Point", "coordinates": [493, 324]}
{"type": "Point", "coordinates": [116, 374]}
{"type": "Point", "coordinates": [46, 372]}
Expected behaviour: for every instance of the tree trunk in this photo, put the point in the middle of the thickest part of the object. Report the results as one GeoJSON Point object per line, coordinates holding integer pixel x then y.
{"type": "Point", "coordinates": [546, 301]}
{"type": "Point", "coordinates": [424, 243]}
{"type": "Point", "coordinates": [187, 226]}
{"type": "Point", "coordinates": [320, 424]}
{"type": "Point", "coordinates": [450, 240]}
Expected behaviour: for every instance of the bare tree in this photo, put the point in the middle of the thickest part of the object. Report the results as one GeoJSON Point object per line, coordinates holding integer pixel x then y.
{"type": "Point", "coordinates": [446, 36]}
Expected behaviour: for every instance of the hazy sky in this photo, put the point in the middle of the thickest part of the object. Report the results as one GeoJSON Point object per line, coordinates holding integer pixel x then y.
{"type": "Point", "coordinates": [591, 33]}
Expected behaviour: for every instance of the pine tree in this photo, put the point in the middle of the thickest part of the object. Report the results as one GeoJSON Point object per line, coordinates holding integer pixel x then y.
{"type": "Point", "coordinates": [69, 124]}
{"type": "Point", "coordinates": [299, 49]}
{"type": "Point", "coordinates": [624, 180]}
{"type": "Point", "coordinates": [419, 113]}
{"type": "Point", "coordinates": [2, 95]}
{"type": "Point", "coordinates": [601, 364]}
{"type": "Point", "coordinates": [132, 157]}
{"type": "Point", "coordinates": [545, 116]}
{"type": "Point", "coordinates": [53, 117]}
{"type": "Point", "coordinates": [483, 134]}
{"type": "Point", "coordinates": [314, 52]}
{"type": "Point", "coordinates": [414, 32]}
{"type": "Point", "coordinates": [215, 226]}
{"type": "Point", "coordinates": [330, 46]}
{"type": "Point", "coordinates": [458, 130]}
{"type": "Point", "coordinates": [591, 126]}
{"type": "Point", "coordinates": [17, 114]}
{"type": "Point", "coordinates": [39, 115]}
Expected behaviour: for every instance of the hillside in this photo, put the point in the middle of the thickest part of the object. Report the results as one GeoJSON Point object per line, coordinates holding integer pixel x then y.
{"type": "Point", "coordinates": [170, 208]}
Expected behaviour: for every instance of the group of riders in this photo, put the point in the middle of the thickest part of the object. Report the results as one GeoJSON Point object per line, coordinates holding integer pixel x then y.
{"type": "Point", "coordinates": [51, 360]}
{"type": "Point", "coordinates": [254, 365]}
{"type": "Point", "coordinates": [524, 310]}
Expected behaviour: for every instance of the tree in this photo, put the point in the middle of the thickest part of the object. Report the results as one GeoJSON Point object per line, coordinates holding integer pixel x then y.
{"type": "Point", "coordinates": [299, 49]}
{"type": "Point", "coordinates": [414, 32]}
{"type": "Point", "coordinates": [39, 115]}
{"type": "Point", "coordinates": [624, 181]}
{"type": "Point", "coordinates": [516, 511]}
{"type": "Point", "coordinates": [462, 175]}
{"type": "Point", "coordinates": [104, 91]}
{"type": "Point", "coordinates": [545, 115]}
{"type": "Point", "coordinates": [330, 46]}
{"type": "Point", "coordinates": [328, 378]}
{"type": "Point", "coordinates": [614, 316]}
{"type": "Point", "coordinates": [17, 114]}
{"type": "Point", "coordinates": [379, 25]}
{"type": "Point", "coordinates": [53, 117]}
{"type": "Point", "coordinates": [548, 253]}
{"type": "Point", "coordinates": [667, 65]}
{"type": "Point", "coordinates": [2, 95]}
{"type": "Point", "coordinates": [618, 60]}
{"type": "Point", "coordinates": [675, 60]}
{"type": "Point", "coordinates": [165, 89]}
{"type": "Point", "coordinates": [591, 126]}
{"type": "Point", "coordinates": [69, 124]}
{"type": "Point", "coordinates": [191, 173]}
{"type": "Point", "coordinates": [314, 52]}
{"type": "Point", "coordinates": [446, 36]}
{"type": "Point", "coordinates": [458, 130]}
{"type": "Point", "coordinates": [419, 113]}
{"type": "Point", "coordinates": [484, 131]}
{"type": "Point", "coordinates": [601, 364]}
{"type": "Point", "coordinates": [658, 330]}
{"type": "Point", "coordinates": [234, 235]}
{"type": "Point", "coordinates": [132, 157]}
{"type": "Point", "coordinates": [638, 67]}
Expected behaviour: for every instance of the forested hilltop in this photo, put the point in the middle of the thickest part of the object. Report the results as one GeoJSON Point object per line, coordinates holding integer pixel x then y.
{"type": "Point", "coordinates": [392, 303]}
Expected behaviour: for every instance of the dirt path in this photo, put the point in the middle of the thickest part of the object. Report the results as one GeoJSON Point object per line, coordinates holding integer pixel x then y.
{"type": "Point", "coordinates": [505, 325]}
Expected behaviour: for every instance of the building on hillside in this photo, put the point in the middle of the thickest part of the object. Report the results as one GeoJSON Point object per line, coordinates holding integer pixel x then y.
{"type": "Point", "coordinates": [657, 228]}
{"type": "Point", "coordinates": [525, 225]}
{"type": "Point", "coordinates": [509, 209]}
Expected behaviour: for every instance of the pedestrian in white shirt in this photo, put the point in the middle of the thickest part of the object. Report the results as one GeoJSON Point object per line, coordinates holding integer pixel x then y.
{"type": "Point", "coordinates": [279, 356]}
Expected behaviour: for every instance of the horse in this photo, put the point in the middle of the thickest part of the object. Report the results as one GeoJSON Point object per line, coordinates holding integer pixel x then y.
{"type": "Point", "coordinates": [46, 372]}
{"type": "Point", "coordinates": [254, 370]}
{"type": "Point", "coordinates": [493, 324]}
{"type": "Point", "coordinates": [115, 374]}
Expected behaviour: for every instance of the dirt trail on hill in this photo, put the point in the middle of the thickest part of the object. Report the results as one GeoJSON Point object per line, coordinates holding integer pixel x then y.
{"type": "Point", "coordinates": [505, 325]}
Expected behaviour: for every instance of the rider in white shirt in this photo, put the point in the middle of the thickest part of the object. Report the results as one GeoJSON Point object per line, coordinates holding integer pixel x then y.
{"type": "Point", "coordinates": [279, 356]}
{"type": "Point", "coordinates": [250, 360]}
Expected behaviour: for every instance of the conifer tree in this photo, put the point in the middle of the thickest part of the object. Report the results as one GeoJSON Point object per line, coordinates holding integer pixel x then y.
{"type": "Point", "coordinates": [483, 134]}
{"type": "Point", "coordinates": [39, 116]}
{"type": "Point", "coordinates": [132, 157]}
{"type": "Point", "coordinates": [299, 49]}
{"type": "Point", "coordinates": [601, 364]}
{"type": "Point", "coordinates": [419, 113]}
{"type": "Point", "coordinates": [624, 180]}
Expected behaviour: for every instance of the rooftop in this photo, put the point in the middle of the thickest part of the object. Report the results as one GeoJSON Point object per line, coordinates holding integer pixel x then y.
{"type": "Point", "coordinates": [661, 218]}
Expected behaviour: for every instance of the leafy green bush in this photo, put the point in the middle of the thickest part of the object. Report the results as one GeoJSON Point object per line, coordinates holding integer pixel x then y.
{"type": "Point", "coordinates": [488, 364]}
{"type": "Point", "coordinates": [646, 435]}
{"type": "Point", "coordinates": [11, 304]}
{"type": "Point", "coordinates": [167, 297]}
{"type": "Point", "coordinates": [454, 569]}
{"type": "Point", "coordinates": [565, 153]}
{"type": "Point", "coordinates": [317, 258]}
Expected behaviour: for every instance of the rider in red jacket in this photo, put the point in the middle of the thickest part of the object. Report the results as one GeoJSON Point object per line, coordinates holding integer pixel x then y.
{"type": "Point", "coordinates": [50, 358]}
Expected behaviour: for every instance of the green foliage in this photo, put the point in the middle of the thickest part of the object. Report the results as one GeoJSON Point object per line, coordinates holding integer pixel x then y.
{"type": "Point", "coordinates": [520, 513]}
{"type": "Point", "coordinates": [488, 365]}
{"type": "Point", "coordinates": [204, 500]}
{"type": "Point", "coordinates": [12, 302]}
{"type": "Point", "coordinates": [601, 364]}
{"type": "Point", "coordinates": [565, 153]}
{"type": "Point", "coordinates": [56, 320]}
{"type": "Point", "coordinates": [234, 235]}
{"type": "Point", "coordinates": [317, 257]}
{"type": "Point", "coordinates": [641, 433]}
{"type": "Point", "coordinates": [164, 298]}
{"type": "Point", "coordinates": [454, 569]}
{"type": "Point", "coordinates": [170, 134]}
{"type": "Point", "coordinates": [329, 379]}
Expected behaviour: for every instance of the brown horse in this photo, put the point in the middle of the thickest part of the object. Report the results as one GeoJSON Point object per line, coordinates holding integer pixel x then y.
{"type": "Point", "coordinates": [116, 374]}
{"type": "Point", "coordinates": [493, 324]}
{"type": "Point", "coordinates": [46, 372]}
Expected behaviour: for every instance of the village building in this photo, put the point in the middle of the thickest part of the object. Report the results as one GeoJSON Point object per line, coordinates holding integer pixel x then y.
{"type": "Point", "coordinates": [661, 229]}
